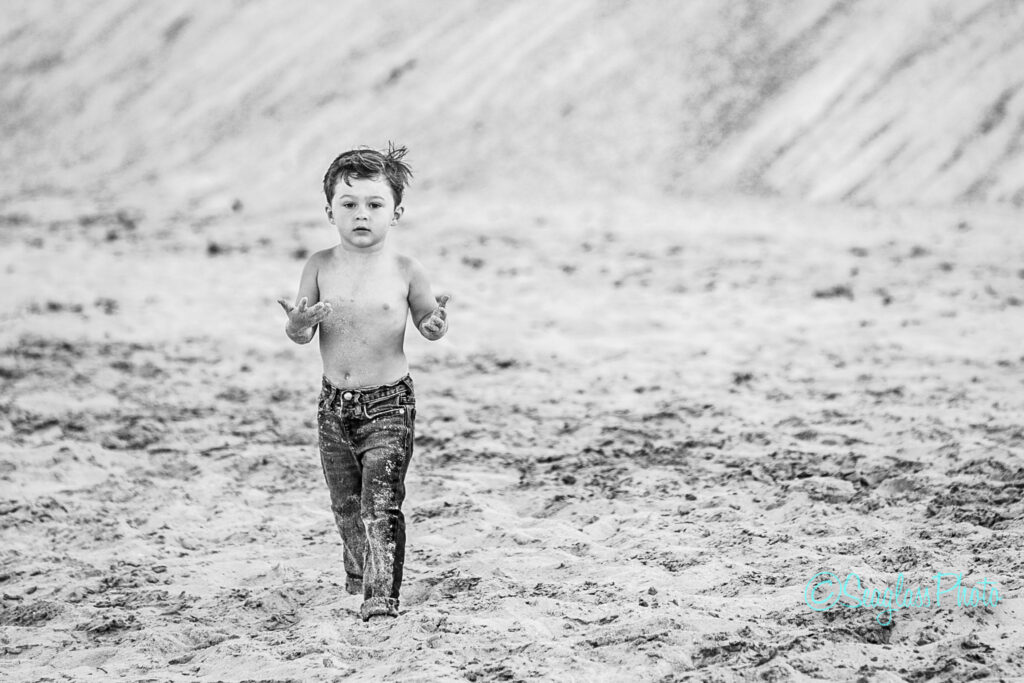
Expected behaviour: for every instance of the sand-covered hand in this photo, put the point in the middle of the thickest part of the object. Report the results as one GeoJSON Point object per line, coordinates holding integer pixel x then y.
{"type": "Point", "coordinates": [436, 323]}
{"type": "Point", "coordinates": [303, 316]}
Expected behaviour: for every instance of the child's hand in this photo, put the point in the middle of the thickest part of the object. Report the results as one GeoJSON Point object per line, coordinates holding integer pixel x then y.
{"type": "Point", "coordinates": [436, 324]}
{"type": "Point", "coordinates": [302, 318]}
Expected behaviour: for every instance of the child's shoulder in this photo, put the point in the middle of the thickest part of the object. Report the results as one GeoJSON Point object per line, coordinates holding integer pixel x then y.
{"type": "Point", "coordinates": [408, 265]}
{"type": "Point", "coordinates": [321, 258]}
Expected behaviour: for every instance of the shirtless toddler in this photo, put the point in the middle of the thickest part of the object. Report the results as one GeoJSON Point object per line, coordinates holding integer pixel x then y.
{"type": "Point", "coordinates": [360, 294]}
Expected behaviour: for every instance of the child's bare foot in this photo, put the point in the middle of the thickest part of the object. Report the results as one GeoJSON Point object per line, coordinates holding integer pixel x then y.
{"type": "Point", "coordinates": [353, 585]}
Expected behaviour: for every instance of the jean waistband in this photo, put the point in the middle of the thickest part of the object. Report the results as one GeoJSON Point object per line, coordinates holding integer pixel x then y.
{"type": "Point", "coordinates": [401, 386]}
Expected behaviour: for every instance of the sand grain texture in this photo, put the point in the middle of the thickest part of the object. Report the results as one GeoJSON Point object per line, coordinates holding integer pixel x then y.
{"type": "Point", "coordinates": [634, 449]}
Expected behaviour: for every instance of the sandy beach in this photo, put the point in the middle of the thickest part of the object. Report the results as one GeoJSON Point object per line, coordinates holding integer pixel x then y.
{"type": "Point", "coordinates": [720, 324]}
{"type": "Point", "coordinates": [636, 448]}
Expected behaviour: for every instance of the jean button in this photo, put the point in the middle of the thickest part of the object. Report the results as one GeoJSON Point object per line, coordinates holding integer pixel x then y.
{"type": "Point", "coordinates": [347, 396]}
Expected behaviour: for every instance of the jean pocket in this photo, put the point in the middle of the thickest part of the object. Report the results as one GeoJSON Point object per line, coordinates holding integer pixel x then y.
{"type": "Point", "coordinates": [383, 405]}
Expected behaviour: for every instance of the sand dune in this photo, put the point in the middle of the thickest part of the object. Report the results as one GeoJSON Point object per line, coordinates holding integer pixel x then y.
{"type": "Point", "coordinates": [203, 103]}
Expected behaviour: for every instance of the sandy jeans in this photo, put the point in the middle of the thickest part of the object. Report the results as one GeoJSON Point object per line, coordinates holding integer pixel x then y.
{"type": "Point", "coordinates": [366, 441]}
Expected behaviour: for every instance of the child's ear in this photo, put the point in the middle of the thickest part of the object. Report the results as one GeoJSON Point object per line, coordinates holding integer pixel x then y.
{"type": "Point", "coordinates": [330, 214]}
{"type": "Point", "coordinates": [399, 210]}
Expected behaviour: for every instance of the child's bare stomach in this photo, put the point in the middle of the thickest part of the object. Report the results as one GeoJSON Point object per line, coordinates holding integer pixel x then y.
{"type": "Point", "coordinates": [355, 365]}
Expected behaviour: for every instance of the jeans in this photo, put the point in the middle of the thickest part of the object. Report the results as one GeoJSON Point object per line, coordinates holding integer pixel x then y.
{"type": "Point", "coordinates": [366, 439]}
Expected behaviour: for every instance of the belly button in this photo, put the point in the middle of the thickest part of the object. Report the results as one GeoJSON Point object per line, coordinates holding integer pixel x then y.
{"type": "Point", "coordinates": [386, 307]}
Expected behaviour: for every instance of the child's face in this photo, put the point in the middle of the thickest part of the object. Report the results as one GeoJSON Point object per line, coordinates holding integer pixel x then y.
{"type": "Point", "coordinates": [363, 212]}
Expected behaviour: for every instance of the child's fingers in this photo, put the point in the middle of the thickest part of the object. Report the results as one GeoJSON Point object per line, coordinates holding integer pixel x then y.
{"type": "Point", "coordinates": [285, 305]}
{"type": "Point", "coordinates": [443, 300]}
{"type": "Point", "coordinates": [302, 304]}
{"type": "Point", "coordinates": [441, 314]}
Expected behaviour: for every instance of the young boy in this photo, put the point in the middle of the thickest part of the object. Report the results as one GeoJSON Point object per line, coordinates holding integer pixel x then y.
{"type": "Point", "coordinates": [362, 292]}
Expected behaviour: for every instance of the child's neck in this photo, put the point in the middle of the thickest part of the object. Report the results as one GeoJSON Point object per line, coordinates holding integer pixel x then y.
{"type": "Point", "coordinates": [348, 250]}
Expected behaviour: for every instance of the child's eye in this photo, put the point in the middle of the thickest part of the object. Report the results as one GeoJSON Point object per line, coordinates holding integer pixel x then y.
{"type": "Point", "coordinates": [348, 205]}
{"type": "Point", "coordinates": [376, 205]}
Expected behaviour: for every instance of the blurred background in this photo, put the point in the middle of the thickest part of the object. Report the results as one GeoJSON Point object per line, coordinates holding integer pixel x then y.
{"type": "Point", "coordinates": [197, 107]}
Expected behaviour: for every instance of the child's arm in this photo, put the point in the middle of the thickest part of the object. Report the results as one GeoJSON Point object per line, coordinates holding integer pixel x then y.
{"type": "Point", "coordinates": [302, 321]}
{"type": "Point", "coordinates": [429, 314]}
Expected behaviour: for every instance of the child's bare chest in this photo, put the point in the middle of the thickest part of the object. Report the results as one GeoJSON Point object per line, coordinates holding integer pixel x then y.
{"type": "Point", "coordinates": [365, 297]}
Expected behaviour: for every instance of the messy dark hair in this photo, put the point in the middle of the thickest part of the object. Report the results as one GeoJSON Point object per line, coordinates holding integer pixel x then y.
{"type": "Point", "coordinates": [369, 163]}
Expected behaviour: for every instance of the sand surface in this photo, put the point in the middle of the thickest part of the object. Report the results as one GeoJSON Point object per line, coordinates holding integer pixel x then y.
{"type": "Point", "coordinates": [738, 299]}
{"type": "Point", "coordinates": [855, 100]}
{"type": "Point", "coordinates": [645, 432]}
